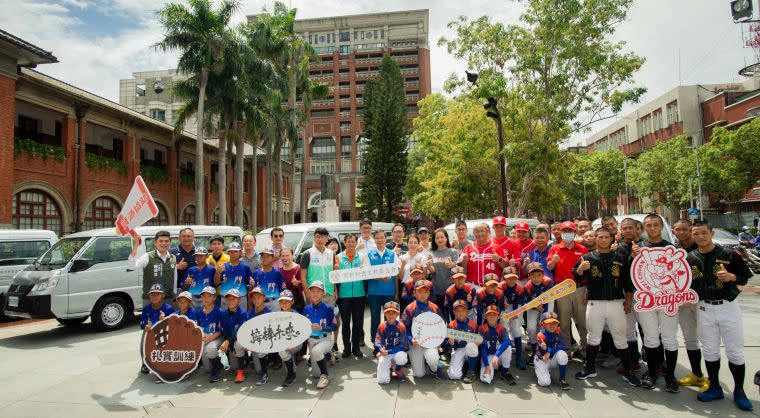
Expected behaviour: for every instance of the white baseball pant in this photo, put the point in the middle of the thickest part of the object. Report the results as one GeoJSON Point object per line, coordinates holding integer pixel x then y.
{"type": "Point", "coordinates": [504, 359]}
{"type": "Point", "coordinates": [514, 326]}
{"type": "Point", "coordinates": [657, 325]}
{"type": "Point", "coordinates": [239, 352]}
{"type": "Point", "coordinates": [687, 319]}
{"type": "Point", "coordinates": [257, 360]}
{"type": "Point", "coordinates": [458, 357]}
{"type": "Point", "coordinates": [721, 322]}
{"type": "Point", "coordinates": [420, 356]}
{"type": "Point", "coordinates": [542, 368]}
{"type": "Point", "coordinates": [631, 330]}
{"type": "Point", "coordinates": [386, 363]}
{"type": "Point", "coordinates": [286, 355]}
{"type": "Point", "coordinates": [318, 348]}
{"type": "Point", "coordinates": [210, 351]}
{"type": "Point", "coordinates": [611, 313]}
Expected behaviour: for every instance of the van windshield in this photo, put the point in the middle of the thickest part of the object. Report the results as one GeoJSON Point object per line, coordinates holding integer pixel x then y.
{"type": "Point", "coordinates": [62, 252]}
{"type": "Point", "coordinates": [291, 240]}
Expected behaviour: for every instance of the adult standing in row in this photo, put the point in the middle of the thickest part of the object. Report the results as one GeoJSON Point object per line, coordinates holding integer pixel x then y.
{"type": "Point", "coordinates": [351, 298]}
{"type": "Point", "coordinates": [365, 241]}
{"type": "Point", "coordinates": [316, 264]}
{"type": "Point", "coordinates": [250, 256]}
{"type": "Point", "coordinates": [461, 241]}
{"type": "Point", "coordinates": [539, 254]}
{"type": "Point", "coordinates": [482, 256]}
{"type": "Point", "coordinates": [159, 266]}
{"type": "Point", "coordinates": [277, 235]}
{"type": "Point", "coordinates": [184, 253]}
{"type": "Point", "coordinates": [443, 258]}
{"type": "Point", "coordinates": [397, 243]}
{"type": "Point", "coordinates": [380, 290]}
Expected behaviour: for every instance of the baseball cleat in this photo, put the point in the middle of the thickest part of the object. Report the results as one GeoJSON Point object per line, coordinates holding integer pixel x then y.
{"type": "Point", "coordinates": [564, 385]}
{"type": "Point", "coordinates": [692, 380]}
{"type": "Point", "coordinates": [240, 377]}
{"type": "Point", "coordinates": [144, 369]}
{"type": "Point", "coordinates": [289, 379]}
{"type": "Point", "coordinates": [262, 380]}
{"type": "Point", "coordinates": [711, 394]}
{"type": "Point", "coordinates": [507, 376]}
{"type": "Point", "coordinates": [649, 382]}
{"type": "Point", "coordinates": [585, 374]}
{"type": "Point", "coordinates": [469, 377]}
{"type": "Point", "coordinates": [323, 381]}
{"type": "Point", "coordinates": [671, 385]}
{"type": "Point", "coordinates": [631, 379]}
{"type": "Point", "coordinates": [740, 399]}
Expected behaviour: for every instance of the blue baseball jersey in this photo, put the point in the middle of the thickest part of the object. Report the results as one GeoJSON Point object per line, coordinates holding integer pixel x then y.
{"type": "Point", "coordinates": [272, 282]}
{"type": "Point", "coordinates": [495, 341]}
{"type": "Point", "coordinates": [533, 290]}
{"type": "Point", "coordinates": [514, 297]}
{"type": "Point", "coordinates": [231, 321]}
{"type": "Point", "coordinates": [322, 315]}
{"type": "Point", "coordinates": [413, 310]}
{"type": "Point", "coordinates": [381, 286]}
{"type": "Point", "coordinates": [466, 293]}
{"type": "Point", "coordinates": [211, 322]}
{"type": "Point", "coordinates": [467, 325]}
{"type": "Point", "coordinates": [201, 277]}
{"type": "Point", "coordinates": [253, 314]}
{"type": "Point", "coordinates": [554, 342]}
{"type": "Point", "coordinates": [235, 277]}
{"type": "Point", "coordinates": [392, 337]}
{"type": "Point", "coordinates": [149, 313]}
{"type": "Point", "coordinates": [191, 314]}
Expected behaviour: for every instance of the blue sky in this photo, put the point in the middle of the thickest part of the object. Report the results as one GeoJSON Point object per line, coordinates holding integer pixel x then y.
{"type": "Point", "coordinates": [99, 42]}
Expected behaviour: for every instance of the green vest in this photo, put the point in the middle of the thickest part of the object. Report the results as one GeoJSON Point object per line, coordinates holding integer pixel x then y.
{"type": "Point", "coordinates": [351, 289]}
{"type": "Point", "coordinates": [320, 266]}
{"type": "Point", "coordinates": [159, 271]}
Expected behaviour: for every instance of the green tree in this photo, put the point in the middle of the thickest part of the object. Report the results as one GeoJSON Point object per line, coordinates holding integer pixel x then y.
{"type": "Point", "coordinates": [606, 174]}
{"type": "Point", "coordinates": [555, 73]}
{"type": "Point", "coordinates": [200, 34]}
{"type": "Point", "coordinates": [661, 173]}
{"type": "Point", "coordinates": [386, 132]}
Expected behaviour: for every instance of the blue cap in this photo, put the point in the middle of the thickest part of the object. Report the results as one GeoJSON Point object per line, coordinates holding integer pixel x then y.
{"type": "Point", "coordinates": [156, 288]}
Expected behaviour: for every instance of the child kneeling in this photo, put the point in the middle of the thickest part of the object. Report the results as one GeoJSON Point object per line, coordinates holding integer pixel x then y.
{"type": "Point", "coordinates": [462, 349]}
{"type": "Point", "coordinates": [550, 352]}
{"type": "Point", "coordinates": [495, 351]}
{"type": "Point", "coordinates": [391, 344]}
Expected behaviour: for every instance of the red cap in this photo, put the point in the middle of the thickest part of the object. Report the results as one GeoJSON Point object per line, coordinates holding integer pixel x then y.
{"type": "Point", "coordinates": [499, 220]}
{"type": "Point", "coordinates": [522, 226]}
{"type": "Point", "coordinates": [567, 225]}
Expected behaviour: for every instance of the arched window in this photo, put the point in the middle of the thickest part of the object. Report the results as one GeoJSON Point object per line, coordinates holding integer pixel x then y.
{"type": "Point", "coordinates": [35, 209]}
{"type": "Point", "coordinates": [188, 215]}
{"type": "Point", "coordinates": [161, 219]}
{"type": "Point", "coordinates": [215, 217]}
{"type": "Point", "coordinates": [101, 213]}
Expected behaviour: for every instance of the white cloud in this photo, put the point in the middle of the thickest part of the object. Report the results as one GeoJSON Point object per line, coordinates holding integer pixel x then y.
{"type": "Point", "coordinates": [81, 4]}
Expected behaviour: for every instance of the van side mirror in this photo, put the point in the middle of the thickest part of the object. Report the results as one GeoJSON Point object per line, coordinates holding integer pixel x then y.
{"type": "Point", "coordinates": [80, 265]}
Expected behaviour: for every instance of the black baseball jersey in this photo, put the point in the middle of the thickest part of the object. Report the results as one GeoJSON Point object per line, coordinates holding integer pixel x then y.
{"type": "Point", "coordinates": [609, 276]}
{"type": "Point", "coordinates": [704, 269]}
{"type": "Point", "coordinates": [647, 244]}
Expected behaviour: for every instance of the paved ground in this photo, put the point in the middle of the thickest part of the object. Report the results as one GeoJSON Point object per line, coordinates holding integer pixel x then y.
{"type": "Point", "coordinates": [49, 370]}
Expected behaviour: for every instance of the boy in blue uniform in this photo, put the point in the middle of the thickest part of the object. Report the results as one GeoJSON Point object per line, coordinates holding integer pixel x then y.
{"type": "Point", "coordinates": [550, 352]}
{"type": "Point", "coordinates": [155, 311]}
{"type": "Point", "coordinates": [489, 294]}
{"type": "Point", "coordinates": [257, 297]}
{"type": "Point", "coordinates": [537, 284]}
{"type": "Point", "coordinates": [391, 344]}
{"type": "Point", "coordinates": [269, 279]}
{"type": "Point", "coordinates": [185, 308]}
{"type": "Point", "coordinates": [322, 317]}
{"type": "Point", "coordinates": [495, 351]}
{"type": "Point", "coordinates": [234, 275]}
{"type": "Point", "coordinates": [233, 318]}
{"type": "Point", "coordinates": [199, 276]}
{"type": "Point", "coordinates": [514, 297]}
{"type": "Point", "coordinates": [287, 356]}
{"type": "Point", "coordinates": [460, 349]}
{"type": "Point", "coordinates": [210, 319]}
{"type": "Point", "coordinates": [459, 290]}
{"type": "Point", "coordinates": [418, 355]}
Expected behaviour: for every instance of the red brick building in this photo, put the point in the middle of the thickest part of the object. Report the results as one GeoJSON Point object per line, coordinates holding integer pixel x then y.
{"type": "Point", "coordinates": [72, 156]}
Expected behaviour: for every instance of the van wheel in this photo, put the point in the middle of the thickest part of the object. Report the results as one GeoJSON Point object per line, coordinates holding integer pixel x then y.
{"type": "Point", "coordinates": [71, 322]}
{"type": "Point", "coordinates": [110, 313]}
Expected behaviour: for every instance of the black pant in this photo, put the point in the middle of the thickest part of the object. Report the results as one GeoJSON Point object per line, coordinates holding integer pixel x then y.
{"type": "Point", "coordinates": [352, 317]}
{"type": "Point", "coordinates": [439, 300]}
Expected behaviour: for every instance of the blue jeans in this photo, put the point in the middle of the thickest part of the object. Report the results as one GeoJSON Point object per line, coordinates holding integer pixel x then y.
{"type": "Point", "coordinates": [376, 303]}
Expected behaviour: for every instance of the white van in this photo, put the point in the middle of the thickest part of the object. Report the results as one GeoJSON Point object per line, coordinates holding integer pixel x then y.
{"type": "Point", "coordinates": [18, 249]}
{"type": "Point", "coordinates": [667, 232]}
{"type": "Point", "coordinates": [300, 237]}
{"type": "Point", "coordinates": [85, 275]}
{"type": "Point", "coordinates": [451, 228]}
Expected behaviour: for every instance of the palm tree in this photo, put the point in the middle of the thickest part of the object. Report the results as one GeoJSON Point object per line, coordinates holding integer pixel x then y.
{"type": "Point", "coordinates": [199, 33]}
{"type": "Point", "coordinates": [311, 91]}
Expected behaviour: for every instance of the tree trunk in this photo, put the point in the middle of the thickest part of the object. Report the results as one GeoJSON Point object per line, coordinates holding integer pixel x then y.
{"type": "Point", "coordinates": [239, 174]}
{"type": "Point", "coordinates": [292, 194]}
{"type": "Point", "coordinates": [279, 218]}
{"type": "Point", "coordinates": [268, 185]}
{"type": "Point", "coordinates": [292, 149]}
{"type": "Point", "coordinates": [222, 178]}
{"type": "Point", "coordinates": [200, 213]}
{"type": "Point", "coordinates": [254, 185]}
{"type": "Point", "coordinates": [304, 210]}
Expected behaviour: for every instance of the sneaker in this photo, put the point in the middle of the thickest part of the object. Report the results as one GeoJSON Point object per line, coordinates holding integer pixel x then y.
{"type": "Point", "coordinates": [671, 385]}
{"type": "Point", "coordinates": [158, 380]}
{"type": "Point", "coordinates": [631, 379]}
{"type": "Point", "coordinates": [585, 374]}
{"type": "Point", "coordinates": [711, 394]}
{"type": "Point", "coordinates": [648, 382]}
{"type": "Point", "coordinates": [346, 354]}
{"type": "Point", "coordinates": [289, 379]}
{"type": "Point", "coordinates": [521, 363]}
{"type": "Point", "coordinates": [469, 377]}
{"type": "Point", "coordinates": [507, 376]}
{"type": "Point", "coordinates": [740, 399]}
{"type": "Point", "coordinates": [240, 377]}
{"type": "Point", "coordinates": [358, 353]}
{"type": "Point", "coordinates": [564, 385]}
{"type": "Point", "coordinates": [401, 374]}
{"type": "Point", "coordinates": [705, 385]}
{"type": "Point", "coordinates": [144, 369]}
{"type": "Point", "coordinates": [691, 380]}
{"type": "Point", "coordinates": [262, 380]}
{"type": "Point", "coordinates": [323, 381]}
{"type": "Point", "coordinates": [610, 362]}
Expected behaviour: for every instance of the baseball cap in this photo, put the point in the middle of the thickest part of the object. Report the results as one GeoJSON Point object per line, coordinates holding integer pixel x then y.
{"type": "Point", "coordinates": [457, 271]}
{"type": "Point", "coordinates": [186, 295]}
{"type": "Point", "coordinates": [156, 288]}
{"type": "Point", "coordinates": [549, 317]}
{"type": "Point", "coordinates": [522, 226]}
{"type": "Point", "coordinates": [268, 250]}
{"type": "Point", "coordinates": [459, 303]}
{"type": "Point", "coordinates": [417, 267]}
{"type": "Point", "coordinates": [423, 229]}
{"type": "Point", "coordinates": [492, 309]}
{"type": "Point", "coordinates": [499, 220]}
{"type": "Point", "coordinates": [286, 295]}
{"type": "Point", "coordinates": [510, 271]}
{"type": "Point", "coordinates": [745, 228]}
{"type": "Point", "coordinates": [490, 279]}
{"type": "Point", "coordinates": [200, 251]}
{"type": "Point", "coordinates": [318, 284]}
{"type": "Point", "coordinates": [234, 247]}
{"type": "Point", "coordinates": [208, 289]}
{"type": "Point", "coordinates": [535, 266]}
{"type": "Point", "coordinates": [256, 289]}
{"type": "Point", "coordinates": [232, 292]}
{"type": "Point", "coordinates": [423, 283]}
{"type": "Point", "coordinates": [391, 306]}
{"type": "Point", "coordinates": [567, 225]}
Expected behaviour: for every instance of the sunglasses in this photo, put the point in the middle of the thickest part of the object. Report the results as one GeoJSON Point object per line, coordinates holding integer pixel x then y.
{"type": "Point", "coordinates": [277, 236]}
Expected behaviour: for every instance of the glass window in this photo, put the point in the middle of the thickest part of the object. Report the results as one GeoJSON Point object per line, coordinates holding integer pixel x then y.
{"type": "Point", "coordinates": [322, 148]}
{"type": "Point", "coordinates": [345, 146]}
{"type": "Point", "coordinates": [101, 213]}
{"type": "Point", "coordinates": [63, 251]}
{"type": "Point", "coordinates": [23, 252]}
{"type": "Point", "coordinates": [382, 33]}
{"type": "Point", "coordinates": [188, 215]}
{"type": "Point", "coordinates": [345, 36]}
{"type": "Point", "coordinates": [158, 114]}
{"type": "Point", "coordinates": [106, 250]}
{"type": "Point", "coordinates": [34, 209]}
{"type": "Point", "coordinates": [161, 219]}
{"type": "Point", "coordinates": [345, 49]}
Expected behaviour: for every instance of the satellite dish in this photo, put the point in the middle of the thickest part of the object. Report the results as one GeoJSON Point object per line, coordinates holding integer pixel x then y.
{"type": "Point", "coordinates": [158, 87]}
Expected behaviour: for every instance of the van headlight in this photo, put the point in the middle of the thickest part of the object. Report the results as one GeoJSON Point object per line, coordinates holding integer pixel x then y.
{"type": "Point", "coordinates": [50, 282]}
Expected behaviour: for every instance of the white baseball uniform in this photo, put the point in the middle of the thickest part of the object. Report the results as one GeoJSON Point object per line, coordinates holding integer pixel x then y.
{"type": "Point", "coordinates": [386, 363]}
{"type": "Point", "coordinates": [504, 360]}
{"type": "Point", "coordinates": [542, 368]}
{"type": "Point", "coordinates": [458, 358]}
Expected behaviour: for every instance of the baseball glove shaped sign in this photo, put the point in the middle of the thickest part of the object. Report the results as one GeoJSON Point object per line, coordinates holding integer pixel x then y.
{"type": "Point", "coordinates": [172, 348]}
{"type": "Point", "coordinates": [662, 278]}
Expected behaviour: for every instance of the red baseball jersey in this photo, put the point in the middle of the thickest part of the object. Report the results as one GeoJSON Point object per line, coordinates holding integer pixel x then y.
{"type": "Point", "coordinates": [479, 261]}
